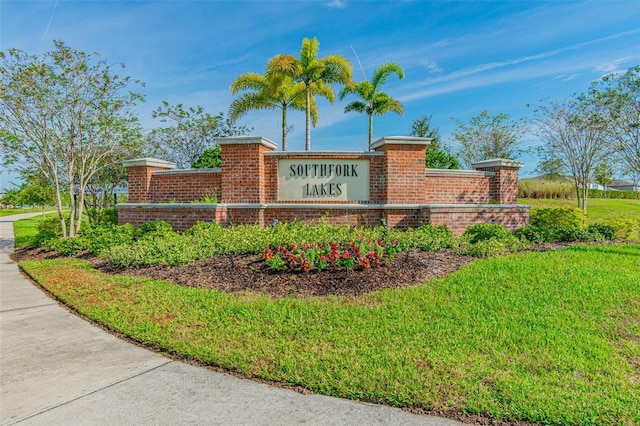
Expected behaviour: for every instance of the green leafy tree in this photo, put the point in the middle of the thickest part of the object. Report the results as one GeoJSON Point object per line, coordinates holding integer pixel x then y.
{"type": "Point", "coordinates": [374, 102]}
{"type": "Point", "coordinates": [101, 188]}
{"type": "Point", "coordinates": [37, 191]}
{"type": "Point", "coordinates": [552, 167]}
{"type": "Point", "coordinates": [270, 91]}
{"type": "Point", "coordinates": [317, 74]}
{"type": "Point", "coordinates": [575, 132]}
{"type": "Point", "coordinates": [13, 197]}
{"type": "Point", "coordinates": [190, 131]}
{"type": "Point", "coordinates": [619, 94]}
{"type": "Point", "coordinates": [485, 137]}
{"type": "Point", "coordinates": [603, 175]}
{"type": "Point", "coordinates": [210, 158]}
{"type": "Point", "coordinates": [65, 113]}
{"type": "Point", "coordinates": [438, 155]}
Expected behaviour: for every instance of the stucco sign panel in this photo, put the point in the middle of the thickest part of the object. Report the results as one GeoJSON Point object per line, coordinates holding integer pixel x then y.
{"type": "Point", "coordinates": [323, 180]}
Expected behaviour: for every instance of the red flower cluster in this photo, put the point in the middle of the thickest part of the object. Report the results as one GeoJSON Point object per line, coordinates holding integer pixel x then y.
{"type": "Point", "coordinates": [362, 254]}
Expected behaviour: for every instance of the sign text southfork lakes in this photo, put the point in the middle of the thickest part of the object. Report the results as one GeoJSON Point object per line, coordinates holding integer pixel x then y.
{"type": "Point", "coordinates": [318, 179]}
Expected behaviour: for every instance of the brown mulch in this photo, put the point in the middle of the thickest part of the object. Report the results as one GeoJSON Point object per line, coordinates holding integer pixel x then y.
{"type": "Point", "coordinates": [237, 273]}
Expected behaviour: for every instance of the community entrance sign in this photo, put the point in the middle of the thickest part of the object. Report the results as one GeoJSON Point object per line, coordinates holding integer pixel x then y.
{"type": "Point", "coordinates": [323, 180]}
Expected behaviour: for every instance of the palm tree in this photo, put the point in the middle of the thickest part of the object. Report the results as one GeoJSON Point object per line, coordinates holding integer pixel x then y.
{"type": "Point", "coordinates": [373, 101]}
{"type": "Point", "coordinates": [315, 73]}
{"type": "Point", "coordinates": [269, 91]}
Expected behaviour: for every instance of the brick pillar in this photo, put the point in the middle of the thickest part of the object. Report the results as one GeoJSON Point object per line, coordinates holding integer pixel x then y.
{"type": "Point", "coordinates": [140, 171]}
{"type": "Point", "coordinates": [503, 186]}
{"type": "Point", "coordinates": [404, 168]}
{"type": "Point", "coordinates": [243, 168]}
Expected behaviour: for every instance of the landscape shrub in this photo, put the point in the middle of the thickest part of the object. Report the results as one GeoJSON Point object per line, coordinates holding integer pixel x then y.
{"type": "Point", "coordinates": [606, 232]}
{"type": "Point", "coordinates": [613, 194]}
{"type": "Point", "coordinates": [52, 224]}
{"type": "Point", "coordinates": [626, 228]}
{"type": "Point", "coordinates": [426, 238]}
{"type": "Point", "coordinates": [66, 246]}
{"type": "Point", "coordinates": [534, 234]}
{"type": "Point", "coordinates": [156, 228]}
{"type": "Point", "coordinates": [486, 240]}
{"type": "Point", "coordinates": [565, 217]}
{"type": "Point", "coordinates": [42, 237]}
{"type": "Point", "coordinates": [97, 217]}
{"type": "Point", "coordinates": [102, 238]}
{"type": "Point", "coordinates": [486, 231]}
{"type": "Point", "coordinates": [160, 246]}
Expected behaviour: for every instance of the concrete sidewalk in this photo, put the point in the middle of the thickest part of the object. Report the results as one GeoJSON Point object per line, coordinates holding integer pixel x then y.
{"type": "Point", "coordinates": [56, 368]}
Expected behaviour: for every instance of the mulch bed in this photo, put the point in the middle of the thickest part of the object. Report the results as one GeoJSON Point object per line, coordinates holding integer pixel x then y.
{"type": "Point", "coordinates": [237, 273]}
{"type": "Point", "coordinates": [248, 272]}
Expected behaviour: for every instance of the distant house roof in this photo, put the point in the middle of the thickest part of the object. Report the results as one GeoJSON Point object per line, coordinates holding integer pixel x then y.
{"type": "Point", "coordinates": [546, 177]}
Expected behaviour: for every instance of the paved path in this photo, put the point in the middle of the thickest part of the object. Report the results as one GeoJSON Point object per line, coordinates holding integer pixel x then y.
{"type": "Point", "coordinates": [56, 368]}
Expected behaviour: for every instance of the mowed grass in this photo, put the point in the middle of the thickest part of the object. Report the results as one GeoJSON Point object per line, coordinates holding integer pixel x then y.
{"type": "Point", "coordinates": [548, 337]}
{"type": "Point", "coordinates": [25, 230]}
{"type": "Point", "coordinates": [11, 212]}
{"type": "Point", "coordinates": [597, 208]}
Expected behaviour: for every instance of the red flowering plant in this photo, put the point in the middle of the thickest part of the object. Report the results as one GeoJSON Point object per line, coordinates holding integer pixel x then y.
{"type": "Point", "coordinates": [361, 254]}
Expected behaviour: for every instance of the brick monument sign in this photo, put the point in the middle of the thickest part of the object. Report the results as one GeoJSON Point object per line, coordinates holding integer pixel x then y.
{"type": "Point", "coordinates": [257, 185]}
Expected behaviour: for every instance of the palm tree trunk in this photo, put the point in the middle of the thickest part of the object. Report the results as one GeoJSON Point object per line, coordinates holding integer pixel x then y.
{"type": "Point", "coordinates": [284, 128]}
{"type": "Point", "coordinates": [308, 120]}
{"type": "Point", "coordinates": [370, 130]}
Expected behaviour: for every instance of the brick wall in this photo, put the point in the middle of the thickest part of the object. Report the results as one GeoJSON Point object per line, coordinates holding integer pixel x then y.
{"type": "Point", "coordinates": [401, 190]}
{"type": "Point", "coordinates": [185, 186]}
{"type": "Point", "coordinates": [458, 218]}
{"type": "Point", "coordinates": [457, 187]}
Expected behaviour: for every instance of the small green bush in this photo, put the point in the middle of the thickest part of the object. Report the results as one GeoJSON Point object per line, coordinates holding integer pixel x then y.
{"type": "Point", "coordinates": [102, 238]}
{"type": "Point", "coordinates": [157, 228]}
{"type": "Point", "coordinates": [66, 246]}
{"type": "Point", "coordinates": [52, 224]}
{"type": "Point", "coordinates": [107, 216]}
{"type": "Point", "coordinates": [607, 232]}
{"type": "Point", "coordinates": [564, 217]}
{"type": "Point", "coordinates": [485, 232]}
{"type": "Point", "coordinates": [486, 240]}
{"type": "Point", "coordinates": [42, 237]}
{"type": "Point", "coordinates": [426, 238]}
{"type": "Point", "coordinates": [534, 234]}
{"type": "Point", "coordinates": [626, 228]}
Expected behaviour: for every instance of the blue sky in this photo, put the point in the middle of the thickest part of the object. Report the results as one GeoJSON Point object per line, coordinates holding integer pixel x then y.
{"type": "Point", "coordinates": [459, 57]}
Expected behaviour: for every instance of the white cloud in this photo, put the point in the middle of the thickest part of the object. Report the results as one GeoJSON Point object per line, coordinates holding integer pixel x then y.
{"type": "Point", "coordinates": [339, 4]}
{"type": "Point", "coordinates": [432, 66]}
{"type": "Point", "coordinates": [564, 77]}
{"type": "Point", "coordinates": [613, 66]}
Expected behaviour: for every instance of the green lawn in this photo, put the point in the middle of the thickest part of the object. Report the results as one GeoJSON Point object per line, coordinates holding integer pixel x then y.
{"type": "Point", "coordinates": [548, 337]}
{"type": "Point", "coordinates": [25, 230]}
{"type": "Point", "coordinates": [597, 208]}
{"type": "Point", "coordinates": [11, 212]}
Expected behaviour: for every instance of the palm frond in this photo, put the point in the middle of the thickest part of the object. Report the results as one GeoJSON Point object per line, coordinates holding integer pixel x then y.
{"type": "Point", "coordinates": [357, 106]}
{"type": "Point", "coordinates": [382, 73]}
{"type": "Point", "coordinates": [247, 102]}
{"type": "Point", "coordinates": [248, 81]}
